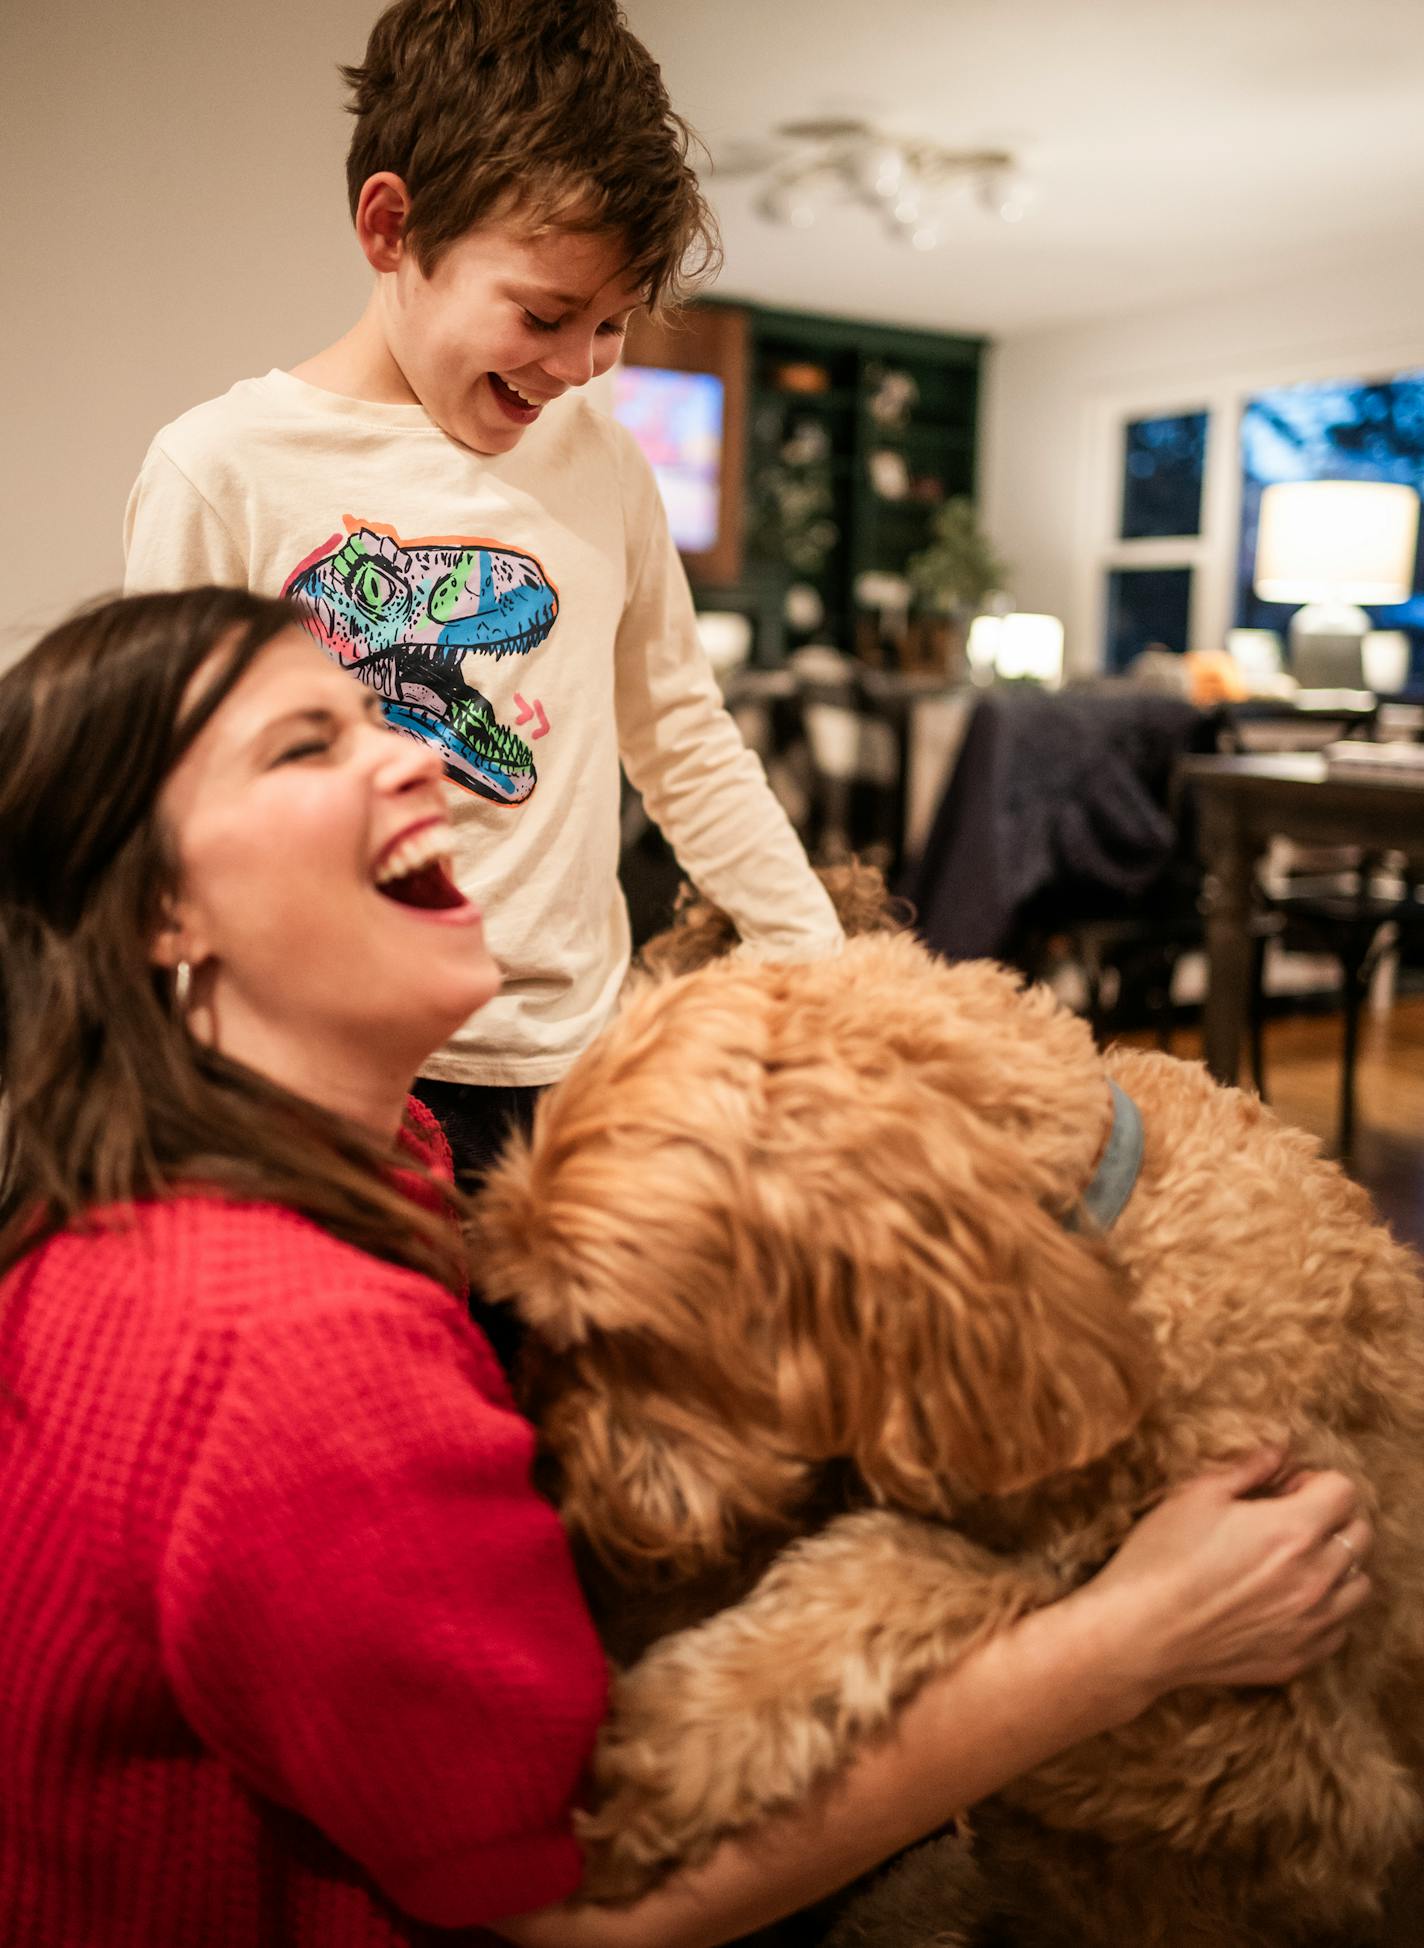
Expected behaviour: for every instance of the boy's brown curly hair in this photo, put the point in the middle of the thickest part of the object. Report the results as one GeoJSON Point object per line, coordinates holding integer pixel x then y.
{"type": "Point", "coordinates": [547, 109]}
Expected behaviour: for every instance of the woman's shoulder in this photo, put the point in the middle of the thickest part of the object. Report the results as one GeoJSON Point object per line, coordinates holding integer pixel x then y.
{"type": "Point", "coordinates": [217, 1259]}
{"type": "Point", "coordinates": [217, 1246]}
{"type": "Point", "coordinates": [197, 1269]}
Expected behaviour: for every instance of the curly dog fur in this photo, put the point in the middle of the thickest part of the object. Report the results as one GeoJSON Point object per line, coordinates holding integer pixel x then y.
{"type": "Point", "coordinates": [701, 932]}
{"type": "Point", "coordinates": [793, 1241]}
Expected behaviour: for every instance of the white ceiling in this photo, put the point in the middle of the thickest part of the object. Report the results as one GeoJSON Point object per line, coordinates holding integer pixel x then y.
{"type": "Point", "coordinates": [1179, 147]}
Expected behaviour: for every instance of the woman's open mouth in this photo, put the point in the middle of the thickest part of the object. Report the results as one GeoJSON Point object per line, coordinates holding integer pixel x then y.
{"type": "Point", "coordinates": [429, 886]}
{"type": "Point", "coordinates": [415, 870]}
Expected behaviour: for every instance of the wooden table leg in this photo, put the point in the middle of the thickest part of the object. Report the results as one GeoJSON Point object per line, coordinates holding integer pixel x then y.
{"type": "Point", "coordinates": [1230, 858]}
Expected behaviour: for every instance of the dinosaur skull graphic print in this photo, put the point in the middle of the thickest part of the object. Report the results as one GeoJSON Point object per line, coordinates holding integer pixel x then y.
{"type": "Point", "coordinates": [408, 617]}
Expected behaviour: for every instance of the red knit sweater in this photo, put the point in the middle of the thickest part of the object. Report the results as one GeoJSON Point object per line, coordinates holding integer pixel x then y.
{"type": "Point", "coordinates": [289, 1649]}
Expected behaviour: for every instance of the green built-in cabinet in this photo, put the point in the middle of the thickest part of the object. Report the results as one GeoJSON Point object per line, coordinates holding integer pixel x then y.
{"type": "Point", "coordinates": [844, 437]}
{"type": "Point", "coordinates": [874, 425]}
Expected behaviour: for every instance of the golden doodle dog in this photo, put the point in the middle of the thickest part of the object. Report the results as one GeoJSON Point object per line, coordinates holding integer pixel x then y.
{"type": "Point", "coordinates": [838, 1376]}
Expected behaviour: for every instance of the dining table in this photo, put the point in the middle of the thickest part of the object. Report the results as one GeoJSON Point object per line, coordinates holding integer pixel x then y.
{"type": "Point", "coordinates": [1244, 802]}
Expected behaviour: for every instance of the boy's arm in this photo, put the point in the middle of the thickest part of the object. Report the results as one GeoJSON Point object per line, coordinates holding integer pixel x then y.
{"type": "Point", "coordinates": [173, 538]}
{"type": "Point", "coordinates": [684, 754]}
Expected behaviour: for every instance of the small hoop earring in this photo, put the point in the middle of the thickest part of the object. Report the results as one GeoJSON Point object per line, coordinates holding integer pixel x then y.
{"type": "Point", "coordinates": [182, 986]}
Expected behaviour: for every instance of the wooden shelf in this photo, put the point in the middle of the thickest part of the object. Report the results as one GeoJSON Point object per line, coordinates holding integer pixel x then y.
{"type": "Point", "coordinates": [920, 439]}
{"type": "Point", "coordinates": [839, 399]}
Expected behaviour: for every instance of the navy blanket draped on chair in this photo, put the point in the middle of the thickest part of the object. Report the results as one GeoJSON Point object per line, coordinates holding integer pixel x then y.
{"type": "Point", "coordinates": [1059, 803]}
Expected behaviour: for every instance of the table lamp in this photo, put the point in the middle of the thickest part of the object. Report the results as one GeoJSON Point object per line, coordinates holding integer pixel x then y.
{"type": "Point", "coordinates": [1031, 646]}
{"type": "Point", "coordinates": [1331, 545]}
{"type": "Point", "coordinates": [1387, 655]}
{"type": "Point", "coordinates": [1016, 646]}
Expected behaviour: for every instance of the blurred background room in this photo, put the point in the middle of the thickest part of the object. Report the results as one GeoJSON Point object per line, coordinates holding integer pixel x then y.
{"type": "Point", "coordinates": [1046, 459]}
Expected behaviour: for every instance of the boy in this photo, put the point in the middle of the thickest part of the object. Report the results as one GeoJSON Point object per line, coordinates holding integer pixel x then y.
{"type": "Point", "coordinates": [475, 541]}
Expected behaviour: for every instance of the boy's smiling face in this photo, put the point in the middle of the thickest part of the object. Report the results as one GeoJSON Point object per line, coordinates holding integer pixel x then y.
{"type": "Point", "coordinates": [504, 323]}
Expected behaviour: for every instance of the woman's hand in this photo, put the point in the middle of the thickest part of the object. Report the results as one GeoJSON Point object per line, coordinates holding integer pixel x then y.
{"type": "Point", "coordinates": [1225, 1582]}
{"type": "Point", "coordinates": [1234, 1580]}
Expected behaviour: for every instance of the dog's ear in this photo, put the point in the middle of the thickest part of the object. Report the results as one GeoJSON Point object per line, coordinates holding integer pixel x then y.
{"type": "Point", "coordinates": [785, 1217]}
{"type": "Point", "coordinates": [603, 1232]}
{"type": "Point", "coordinates": [960, 1339]}
{"type": "Point", "coordinates": [653, 1479]}
{"type": "Point", "coordinates": [1036, 1357]}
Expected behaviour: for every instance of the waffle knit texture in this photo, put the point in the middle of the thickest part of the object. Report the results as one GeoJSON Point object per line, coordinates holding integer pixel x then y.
{"type": "Point", "coordinates": [290, 1651]}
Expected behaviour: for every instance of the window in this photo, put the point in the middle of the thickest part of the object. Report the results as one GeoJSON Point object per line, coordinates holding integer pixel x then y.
{"type": "Point", "coordinates": [1163, 463]}
{"type": "Point", "coordinates": [1148, 608]}
{"type": "Point", "coordinates": [1148, 578]}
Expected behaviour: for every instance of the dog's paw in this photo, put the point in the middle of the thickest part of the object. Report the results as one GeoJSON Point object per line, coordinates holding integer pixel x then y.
{"type": "Point", "coordinates": [688, 1755]}
{"type": "Point", "coordinates": [722, 1725]}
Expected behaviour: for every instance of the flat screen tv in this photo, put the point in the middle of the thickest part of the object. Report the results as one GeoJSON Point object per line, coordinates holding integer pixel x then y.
{"type": "Point", "coordinates": [677, 420]}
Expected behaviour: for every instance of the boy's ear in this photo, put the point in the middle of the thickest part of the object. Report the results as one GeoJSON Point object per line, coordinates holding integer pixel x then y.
{"type": "Point", "coordinates": [382, 211]}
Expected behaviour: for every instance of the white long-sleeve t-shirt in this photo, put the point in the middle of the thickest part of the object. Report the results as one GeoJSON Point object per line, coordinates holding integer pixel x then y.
{"type": "Point", "coordinates": [527, 613]}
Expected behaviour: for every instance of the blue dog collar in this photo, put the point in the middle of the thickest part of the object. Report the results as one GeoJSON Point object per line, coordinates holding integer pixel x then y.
{"type": "Point", "coordinates": [1115, 1178]}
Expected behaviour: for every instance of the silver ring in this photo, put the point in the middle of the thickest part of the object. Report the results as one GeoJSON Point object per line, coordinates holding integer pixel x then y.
{"type": "Point", "coordinates": [1338, 1535]}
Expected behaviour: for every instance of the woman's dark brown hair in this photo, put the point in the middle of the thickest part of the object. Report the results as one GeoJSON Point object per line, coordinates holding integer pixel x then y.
{"type": "Point", "coordinates": [104, 1096]}
{"type": "Point", "coordinates": [549, 109]}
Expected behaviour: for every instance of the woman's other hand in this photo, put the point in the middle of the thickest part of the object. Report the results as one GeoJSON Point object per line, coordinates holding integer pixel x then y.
{"type": "Point", "coordinates": [1239, 1577]}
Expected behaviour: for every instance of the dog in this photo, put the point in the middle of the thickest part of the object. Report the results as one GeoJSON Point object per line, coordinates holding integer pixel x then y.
{"type": "Point", "coordinates": [836, 1376]}
{"type": "Point", "coordinates": [701, 932]}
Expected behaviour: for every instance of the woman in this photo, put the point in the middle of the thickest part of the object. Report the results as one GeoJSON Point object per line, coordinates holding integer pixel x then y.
{"type": "Point", "coordinates": [289, 1650]}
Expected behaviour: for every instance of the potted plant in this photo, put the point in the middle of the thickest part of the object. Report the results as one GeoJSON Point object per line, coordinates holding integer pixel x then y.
{"type": "Point", "coordinates": [955, 575]}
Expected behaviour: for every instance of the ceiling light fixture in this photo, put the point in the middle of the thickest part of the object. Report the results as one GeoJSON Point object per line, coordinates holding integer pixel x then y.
{"type": "Point", "coordinates": [906, 182]}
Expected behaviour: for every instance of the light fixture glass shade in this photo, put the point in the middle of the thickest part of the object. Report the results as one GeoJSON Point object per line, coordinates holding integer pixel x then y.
{"type": "Point", "coordinates": [877, 169]}
{"type": "Point", "coordinates": [906, 180]}
{"type": "Point", "coordinates": [1341, 540]}
{"type": "Point", "coordinates": [1005, 193]}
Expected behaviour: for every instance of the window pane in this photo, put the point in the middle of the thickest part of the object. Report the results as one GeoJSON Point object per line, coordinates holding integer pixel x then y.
{"type": "Point", "coordinates": [1147, 609]}
{"type": "Point", "coordinates": [1345, 429]}
{"type": "Point", "coordinates": [1162, 476]}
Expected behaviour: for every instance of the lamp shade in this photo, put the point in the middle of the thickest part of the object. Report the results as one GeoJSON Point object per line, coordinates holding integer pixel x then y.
{"type": "Point", "coordinates": [1346, 540]}
{"type": "Point", "coordinates": [1030, 646]}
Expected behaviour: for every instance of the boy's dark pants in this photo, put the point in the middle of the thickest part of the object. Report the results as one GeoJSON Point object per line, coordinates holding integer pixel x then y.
{"type": "Point", "coordinates": [477, 1119]}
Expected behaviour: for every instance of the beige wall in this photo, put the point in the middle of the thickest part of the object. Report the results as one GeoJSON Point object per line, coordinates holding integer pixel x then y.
{"type": "Point", "coordinates": [176, 221]}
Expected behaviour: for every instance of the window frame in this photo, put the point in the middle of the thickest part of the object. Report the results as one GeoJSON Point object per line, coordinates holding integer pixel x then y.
{"type": "Point", "coordinates": [1212, 554]}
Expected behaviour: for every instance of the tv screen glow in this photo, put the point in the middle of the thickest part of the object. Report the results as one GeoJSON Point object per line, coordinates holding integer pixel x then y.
{"type": "Point", "coordinates": [676, 418]}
